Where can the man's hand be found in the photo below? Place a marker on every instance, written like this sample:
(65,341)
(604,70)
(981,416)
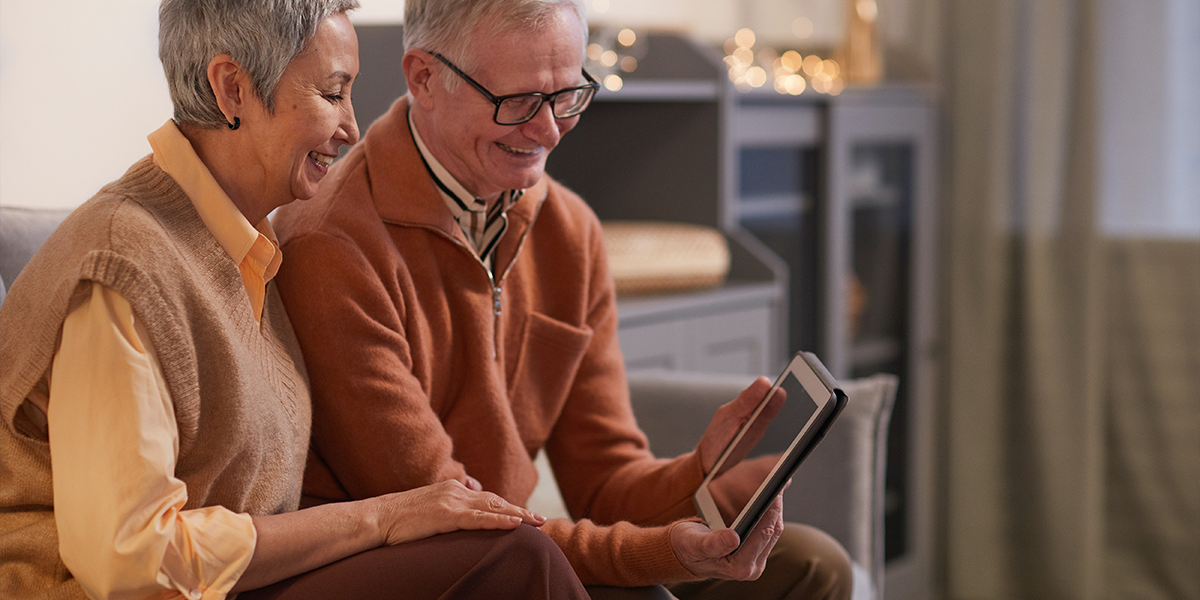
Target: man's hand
(728,419)
(706,553)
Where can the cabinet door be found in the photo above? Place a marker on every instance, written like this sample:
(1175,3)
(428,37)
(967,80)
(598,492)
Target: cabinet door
(736,342)
(878,316)
(654,346)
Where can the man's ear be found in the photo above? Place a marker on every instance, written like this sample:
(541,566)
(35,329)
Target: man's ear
(418,68)
(230,85)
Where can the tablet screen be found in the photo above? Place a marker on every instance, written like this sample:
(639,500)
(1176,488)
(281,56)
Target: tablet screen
(787,412)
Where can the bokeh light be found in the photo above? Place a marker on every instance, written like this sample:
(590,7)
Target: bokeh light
(756,76)
(802,28)
(812,65)
(830,68)
(745,38)
(867,10)
(792,60)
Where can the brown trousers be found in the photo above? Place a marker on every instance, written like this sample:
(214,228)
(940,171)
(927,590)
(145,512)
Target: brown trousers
(519,564)
(806,564)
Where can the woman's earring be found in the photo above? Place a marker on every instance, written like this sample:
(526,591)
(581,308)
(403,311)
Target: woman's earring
(237,122)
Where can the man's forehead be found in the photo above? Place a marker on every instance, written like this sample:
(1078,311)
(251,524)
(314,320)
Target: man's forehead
(524,50)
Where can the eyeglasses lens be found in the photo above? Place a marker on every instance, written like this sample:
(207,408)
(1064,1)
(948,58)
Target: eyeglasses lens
(572,102)
(519,109)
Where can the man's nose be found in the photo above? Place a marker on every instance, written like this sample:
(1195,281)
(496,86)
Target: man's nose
(543,128)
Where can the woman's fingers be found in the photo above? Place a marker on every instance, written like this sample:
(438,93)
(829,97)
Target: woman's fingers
(444,507)
(494,504)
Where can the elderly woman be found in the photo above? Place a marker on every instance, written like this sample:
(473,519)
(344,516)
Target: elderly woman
(155,409)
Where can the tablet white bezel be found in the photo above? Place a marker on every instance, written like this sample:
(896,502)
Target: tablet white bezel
(818,389)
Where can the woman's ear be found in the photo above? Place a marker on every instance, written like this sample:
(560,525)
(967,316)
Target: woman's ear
(418,74)
(229,84)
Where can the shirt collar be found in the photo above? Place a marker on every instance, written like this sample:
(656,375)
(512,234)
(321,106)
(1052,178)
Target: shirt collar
(457,197)
(173,153)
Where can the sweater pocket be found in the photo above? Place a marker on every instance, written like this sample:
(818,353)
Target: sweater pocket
(550,355)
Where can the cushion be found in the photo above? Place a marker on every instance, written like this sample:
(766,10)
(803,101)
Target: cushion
(22,231)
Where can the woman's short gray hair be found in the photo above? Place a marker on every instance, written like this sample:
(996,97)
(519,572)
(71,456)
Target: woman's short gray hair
(263,36)
(446,26)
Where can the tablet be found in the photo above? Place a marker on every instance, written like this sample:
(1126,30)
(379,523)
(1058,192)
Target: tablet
(756,465)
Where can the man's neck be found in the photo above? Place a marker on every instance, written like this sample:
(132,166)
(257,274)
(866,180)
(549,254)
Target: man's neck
(424,132)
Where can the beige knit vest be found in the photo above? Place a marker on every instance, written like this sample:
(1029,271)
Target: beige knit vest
(241,399)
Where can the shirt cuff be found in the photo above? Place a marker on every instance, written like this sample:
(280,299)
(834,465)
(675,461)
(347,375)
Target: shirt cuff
(214,545)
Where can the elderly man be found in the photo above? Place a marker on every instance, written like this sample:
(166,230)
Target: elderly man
(457,317)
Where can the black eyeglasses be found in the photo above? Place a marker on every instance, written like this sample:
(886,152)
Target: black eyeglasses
(515,109)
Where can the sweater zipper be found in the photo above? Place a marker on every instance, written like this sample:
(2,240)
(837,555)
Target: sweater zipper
(496,284)
(495,321)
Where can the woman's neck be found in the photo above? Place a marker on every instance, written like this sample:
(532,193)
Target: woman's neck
(235,171)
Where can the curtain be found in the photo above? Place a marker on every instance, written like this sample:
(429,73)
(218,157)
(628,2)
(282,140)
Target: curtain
(1071,414)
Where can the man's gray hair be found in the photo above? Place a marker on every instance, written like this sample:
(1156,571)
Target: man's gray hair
(447,26)
(263,36)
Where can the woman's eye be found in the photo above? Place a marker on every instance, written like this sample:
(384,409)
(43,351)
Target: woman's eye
(333,98)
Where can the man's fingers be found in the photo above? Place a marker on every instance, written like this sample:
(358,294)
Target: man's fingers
(719,543)
(751,396)
(762,540)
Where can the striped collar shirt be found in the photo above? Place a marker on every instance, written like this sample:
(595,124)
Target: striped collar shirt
(483,225)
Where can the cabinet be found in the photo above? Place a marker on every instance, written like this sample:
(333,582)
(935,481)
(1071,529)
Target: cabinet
(880,273)
(842,189)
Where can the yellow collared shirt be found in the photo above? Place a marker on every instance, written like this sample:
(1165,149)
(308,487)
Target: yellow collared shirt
(118,506)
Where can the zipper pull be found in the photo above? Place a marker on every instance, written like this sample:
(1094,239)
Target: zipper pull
(496,322)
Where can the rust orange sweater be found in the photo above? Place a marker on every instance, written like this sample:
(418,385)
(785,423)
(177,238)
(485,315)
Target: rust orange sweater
(416,378)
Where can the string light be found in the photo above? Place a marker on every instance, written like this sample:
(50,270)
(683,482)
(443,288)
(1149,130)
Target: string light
(790,73)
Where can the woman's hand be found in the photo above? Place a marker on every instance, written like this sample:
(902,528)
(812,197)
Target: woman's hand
(300,541)
(442,508)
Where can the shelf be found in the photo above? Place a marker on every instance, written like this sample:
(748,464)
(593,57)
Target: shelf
(698,90)
(774,206)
